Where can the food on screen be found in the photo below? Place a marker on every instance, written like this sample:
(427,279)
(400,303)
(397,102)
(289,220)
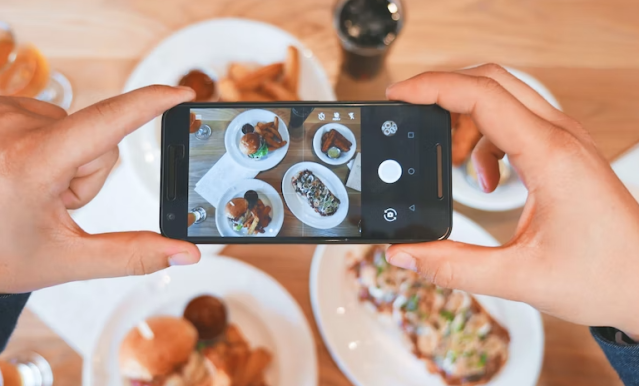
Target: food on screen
(313,191)
(200,348)
(260,139)
(448,329)
(272,82)
(248,212)
(334,144)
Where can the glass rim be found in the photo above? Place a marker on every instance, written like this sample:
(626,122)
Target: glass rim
(349,45)
(4,26)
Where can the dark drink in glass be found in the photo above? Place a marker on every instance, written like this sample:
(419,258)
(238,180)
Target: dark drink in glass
(299,115)
(366,29)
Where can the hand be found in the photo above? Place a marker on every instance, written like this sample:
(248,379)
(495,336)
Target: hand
(575,252)
(51,162)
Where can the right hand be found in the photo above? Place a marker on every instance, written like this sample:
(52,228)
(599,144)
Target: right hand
(575,252)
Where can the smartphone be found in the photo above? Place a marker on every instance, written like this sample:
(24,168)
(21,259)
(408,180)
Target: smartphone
(306,172)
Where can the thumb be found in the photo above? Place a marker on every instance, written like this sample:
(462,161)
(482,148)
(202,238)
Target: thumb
(129,253)
(450,264)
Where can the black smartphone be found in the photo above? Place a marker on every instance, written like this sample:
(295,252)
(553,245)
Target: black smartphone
(306,172)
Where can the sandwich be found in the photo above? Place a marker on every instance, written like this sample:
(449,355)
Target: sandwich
(164,355)
(248,212)
(254,146)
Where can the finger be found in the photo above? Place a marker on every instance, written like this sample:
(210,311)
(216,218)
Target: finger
(88,181)
(472,268)
(91,132)
(494,110)
(127,254)
(35,107)
(529,97)
(485,159)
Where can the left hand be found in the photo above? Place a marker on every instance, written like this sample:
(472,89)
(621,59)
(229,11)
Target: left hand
(51,162)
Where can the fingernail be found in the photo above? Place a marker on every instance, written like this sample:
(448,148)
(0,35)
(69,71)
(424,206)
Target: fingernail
(482,183)
(403,260)
(181,258)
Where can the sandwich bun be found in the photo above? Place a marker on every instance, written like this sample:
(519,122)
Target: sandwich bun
(236,208)
(250,143)
(173,342)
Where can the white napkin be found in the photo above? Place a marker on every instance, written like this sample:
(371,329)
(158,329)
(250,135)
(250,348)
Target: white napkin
(627,169)
(355,176)
(78,311)
(224,174)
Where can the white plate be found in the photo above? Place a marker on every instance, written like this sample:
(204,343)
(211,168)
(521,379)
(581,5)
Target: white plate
(370,353)
(346,132)
(301,209)
(233,135)
(259,305)
(211,45)
(266,193)
(511,195)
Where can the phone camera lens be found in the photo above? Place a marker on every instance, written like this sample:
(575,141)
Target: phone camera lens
(170,216)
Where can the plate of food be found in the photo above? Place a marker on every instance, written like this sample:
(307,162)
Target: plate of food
(221,322)
(315,195)
(250,208)
(226,59)
(334,144)
(511,192)
(257,139)
(386,326)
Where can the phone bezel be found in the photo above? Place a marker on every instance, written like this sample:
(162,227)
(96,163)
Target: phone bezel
(176,228)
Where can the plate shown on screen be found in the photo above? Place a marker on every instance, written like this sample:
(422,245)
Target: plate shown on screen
(300,207)
(267,315)
(233,135)
(511,195)
(372,353)
(343,130)
(211,45)
(269,197)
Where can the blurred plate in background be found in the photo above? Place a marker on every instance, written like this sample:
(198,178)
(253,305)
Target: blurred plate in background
(211,45)
(267,315)
(371,353)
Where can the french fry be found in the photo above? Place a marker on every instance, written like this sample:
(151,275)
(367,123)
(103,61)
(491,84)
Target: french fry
(292,69)
(254,96)
(228,90)
(273,132)
(233,335)
(237,358)
(278,91)
(256,78)
(238,71)
(257,362)
(276,123)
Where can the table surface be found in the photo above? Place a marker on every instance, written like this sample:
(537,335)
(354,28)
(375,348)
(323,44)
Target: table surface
(584,51)
(203,154)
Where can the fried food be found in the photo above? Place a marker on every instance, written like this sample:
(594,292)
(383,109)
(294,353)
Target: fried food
(277,91)
(255,364)
(229,91)
(260,76)
(335,138)
(292,69)
(238,71)
(255,96)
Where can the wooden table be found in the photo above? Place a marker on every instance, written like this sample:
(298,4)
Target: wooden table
(204,154)
(584,51)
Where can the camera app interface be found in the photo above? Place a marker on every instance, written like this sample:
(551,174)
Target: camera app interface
(276,172)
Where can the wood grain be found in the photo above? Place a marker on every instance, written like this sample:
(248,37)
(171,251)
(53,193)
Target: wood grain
(584,51)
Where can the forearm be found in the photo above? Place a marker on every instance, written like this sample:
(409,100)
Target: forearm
(10,309)
(621,351)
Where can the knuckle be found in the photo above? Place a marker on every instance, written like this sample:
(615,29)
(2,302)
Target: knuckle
(440,273)
(135,265)
(494,70)
(488,84)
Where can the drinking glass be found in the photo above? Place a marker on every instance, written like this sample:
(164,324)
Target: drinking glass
(25,72)
(26,369)
(195,216)
(366,29)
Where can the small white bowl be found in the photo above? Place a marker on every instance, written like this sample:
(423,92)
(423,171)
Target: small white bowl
(346,132)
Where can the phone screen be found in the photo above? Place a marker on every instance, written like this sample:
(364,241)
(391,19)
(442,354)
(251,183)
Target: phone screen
(314,173)
(278,172)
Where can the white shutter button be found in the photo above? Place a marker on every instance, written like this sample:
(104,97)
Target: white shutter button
(389,171)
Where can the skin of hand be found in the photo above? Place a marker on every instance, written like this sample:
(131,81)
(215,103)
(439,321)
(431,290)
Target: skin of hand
(575,251)
(51,162)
